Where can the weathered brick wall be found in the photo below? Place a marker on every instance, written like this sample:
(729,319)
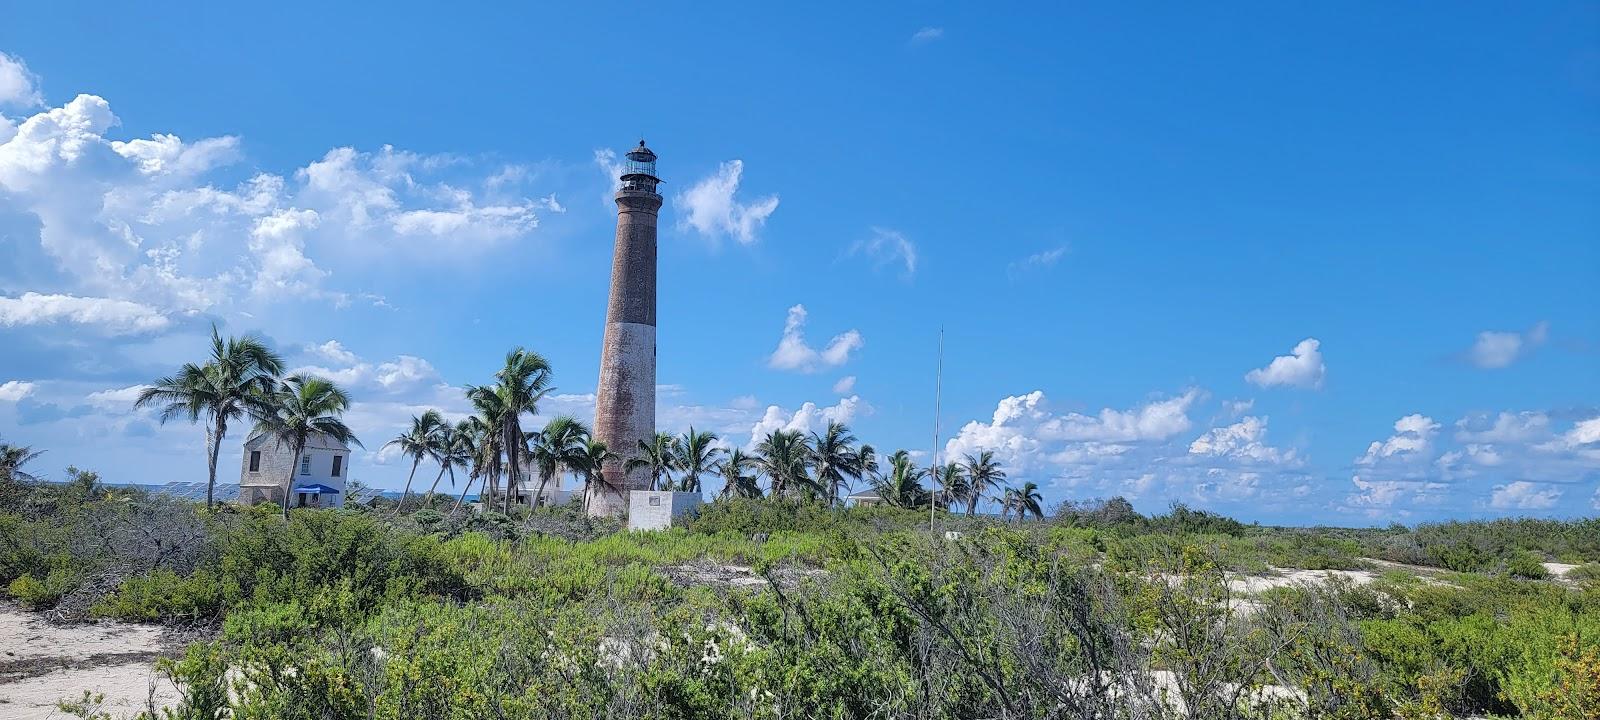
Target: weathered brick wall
(625,399)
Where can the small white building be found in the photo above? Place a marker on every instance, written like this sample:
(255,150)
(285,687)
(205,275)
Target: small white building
(553,495)
(865,498)
(319,473)
(661,509)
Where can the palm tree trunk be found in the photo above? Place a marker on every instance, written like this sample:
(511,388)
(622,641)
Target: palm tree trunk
(216,447)
(288,482)
(513,474)
(428,501)
(972,503)
(463,497)
(512,478)
(543,480)
(407,492)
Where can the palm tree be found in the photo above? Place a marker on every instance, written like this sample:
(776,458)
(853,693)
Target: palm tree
(834,459)
(487,465)
(953,484)
(417,443)
(557,447)
(521,384)
(983,475)
(13,457)
(451,449)
(227,387)
(658,457)
(1025,500)
(590,464)
(474,436)
(783,457)
(736,480)
(695,454)
(902,485)
(298,408)
(867,463)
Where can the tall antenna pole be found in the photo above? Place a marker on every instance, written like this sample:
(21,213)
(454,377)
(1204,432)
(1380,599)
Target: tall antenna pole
(938,389)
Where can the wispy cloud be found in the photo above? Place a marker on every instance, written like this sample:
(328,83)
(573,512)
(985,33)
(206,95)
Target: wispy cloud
(887,247)
(927,34)
(1037,261)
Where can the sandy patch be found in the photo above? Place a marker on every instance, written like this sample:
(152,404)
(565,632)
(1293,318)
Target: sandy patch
(1281,577)
(1558,570)
(42,663)
(739,576)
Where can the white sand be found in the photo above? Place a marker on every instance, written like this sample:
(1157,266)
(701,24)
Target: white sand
(1282,577)
(41,664)
(1558,570)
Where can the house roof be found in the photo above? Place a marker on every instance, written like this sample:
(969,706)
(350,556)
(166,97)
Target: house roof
(317,441)
(864,495)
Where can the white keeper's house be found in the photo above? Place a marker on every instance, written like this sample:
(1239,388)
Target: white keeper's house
(319,473)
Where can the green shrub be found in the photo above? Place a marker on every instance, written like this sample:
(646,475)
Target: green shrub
(163,595)
(39,594)
(744,516)
(1526,565)
(1587,572)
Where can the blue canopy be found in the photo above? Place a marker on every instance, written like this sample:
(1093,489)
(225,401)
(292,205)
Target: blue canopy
(316,489)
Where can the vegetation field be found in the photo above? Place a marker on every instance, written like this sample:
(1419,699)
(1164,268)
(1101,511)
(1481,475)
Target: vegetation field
(784,608)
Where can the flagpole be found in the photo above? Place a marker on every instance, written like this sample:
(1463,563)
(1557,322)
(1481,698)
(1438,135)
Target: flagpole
(938,389)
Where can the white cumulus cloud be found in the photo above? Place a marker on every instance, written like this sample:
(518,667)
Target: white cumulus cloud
(809,418)
(1244,441)
(1025,434)
(141,220)
(1413,436)
(13,390)
(114,317)
(116,399)
(1524,495)
(335,351)
(845,385)
(793,353)
(1156,420)
(711,207)
(18,87)
(1494,350)
(1303,367)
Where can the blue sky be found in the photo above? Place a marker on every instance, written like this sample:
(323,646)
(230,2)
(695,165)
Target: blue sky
(1297,264)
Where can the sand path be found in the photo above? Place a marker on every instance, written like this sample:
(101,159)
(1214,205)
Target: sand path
(42,663)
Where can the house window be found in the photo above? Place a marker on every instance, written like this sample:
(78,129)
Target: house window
(338,464)
(255,461)
(305,465)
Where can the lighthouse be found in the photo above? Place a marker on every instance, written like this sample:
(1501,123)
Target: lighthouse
(625,398)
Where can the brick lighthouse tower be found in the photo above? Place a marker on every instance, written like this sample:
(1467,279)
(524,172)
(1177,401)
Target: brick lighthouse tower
(625,401)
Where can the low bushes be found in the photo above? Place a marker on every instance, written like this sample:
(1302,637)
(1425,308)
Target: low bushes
(349,614)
